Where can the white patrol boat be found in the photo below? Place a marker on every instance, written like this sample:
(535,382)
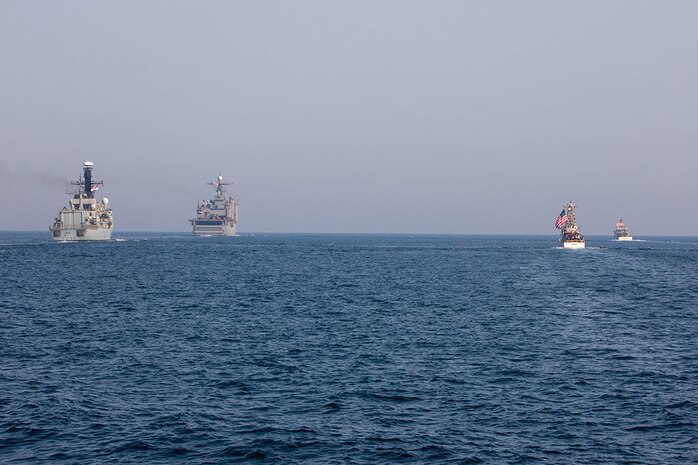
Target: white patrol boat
(621,232)
(570,236)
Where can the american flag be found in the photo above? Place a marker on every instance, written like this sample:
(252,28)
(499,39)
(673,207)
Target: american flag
(561,220)
(94,188)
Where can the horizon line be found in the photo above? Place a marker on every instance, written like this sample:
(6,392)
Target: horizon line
(364,233)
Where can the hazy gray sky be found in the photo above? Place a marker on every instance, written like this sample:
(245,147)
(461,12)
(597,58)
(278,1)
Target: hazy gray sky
(355,116)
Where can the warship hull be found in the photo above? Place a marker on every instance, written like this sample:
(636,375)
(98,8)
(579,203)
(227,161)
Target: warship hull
(81,234)
(71,225)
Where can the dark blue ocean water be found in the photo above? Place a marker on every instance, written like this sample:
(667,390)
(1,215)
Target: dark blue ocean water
(158,348)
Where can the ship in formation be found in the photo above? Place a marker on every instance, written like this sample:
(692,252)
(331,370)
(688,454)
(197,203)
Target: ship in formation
(570,236)
(84,219)
(218,216)
(621,232)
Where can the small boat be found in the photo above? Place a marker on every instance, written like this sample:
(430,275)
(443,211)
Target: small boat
(566,222)
(622,233)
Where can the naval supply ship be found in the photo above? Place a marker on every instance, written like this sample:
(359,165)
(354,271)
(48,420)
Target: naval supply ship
(84,219)
(218,216)
(570,236)
(621,232)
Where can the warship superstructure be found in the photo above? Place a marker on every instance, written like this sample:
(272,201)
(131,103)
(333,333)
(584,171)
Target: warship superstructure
(85,219)
(570,236)
(621,232)
(218,216)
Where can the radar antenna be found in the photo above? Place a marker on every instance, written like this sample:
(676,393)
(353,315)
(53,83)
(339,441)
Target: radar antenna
(218,184)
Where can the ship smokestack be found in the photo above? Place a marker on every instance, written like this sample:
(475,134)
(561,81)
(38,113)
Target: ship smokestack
(88,178)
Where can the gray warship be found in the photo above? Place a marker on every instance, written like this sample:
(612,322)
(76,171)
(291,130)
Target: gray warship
(218,216)
(84,219)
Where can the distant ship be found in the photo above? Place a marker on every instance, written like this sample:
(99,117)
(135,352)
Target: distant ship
(570,236)
(218,216)
(84,219)
(622,233)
